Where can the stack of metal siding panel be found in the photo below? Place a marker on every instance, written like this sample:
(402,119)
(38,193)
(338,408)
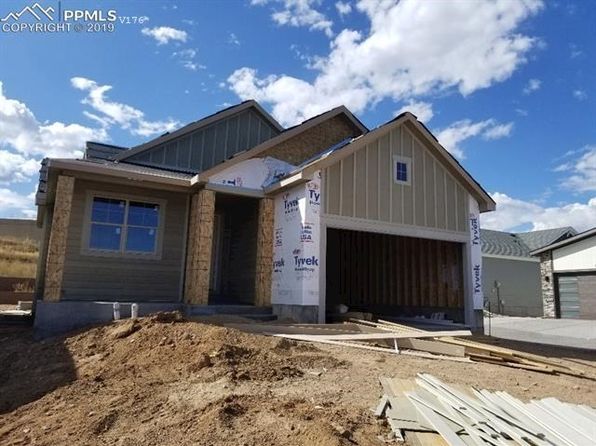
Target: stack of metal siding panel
(460,417)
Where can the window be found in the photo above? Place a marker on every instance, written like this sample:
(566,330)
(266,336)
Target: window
(121,226)
(401,170)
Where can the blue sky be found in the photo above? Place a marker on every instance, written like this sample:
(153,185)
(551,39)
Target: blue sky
(507,86)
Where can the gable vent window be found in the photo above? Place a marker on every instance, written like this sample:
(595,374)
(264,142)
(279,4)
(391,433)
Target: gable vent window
(402,170)
(124,227)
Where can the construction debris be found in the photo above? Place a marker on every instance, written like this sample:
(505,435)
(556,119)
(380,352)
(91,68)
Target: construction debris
(390,337)
(434,413)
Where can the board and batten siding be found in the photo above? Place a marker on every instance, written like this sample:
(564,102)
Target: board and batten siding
(362,186)
(208,146)
(103,278)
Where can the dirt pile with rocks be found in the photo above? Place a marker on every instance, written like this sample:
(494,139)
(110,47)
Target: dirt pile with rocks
(163,380)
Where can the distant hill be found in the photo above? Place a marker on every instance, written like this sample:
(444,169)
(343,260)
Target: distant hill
(19,229)
(18,257)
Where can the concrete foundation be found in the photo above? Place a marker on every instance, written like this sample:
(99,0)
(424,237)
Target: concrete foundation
(54,318)
(304,314)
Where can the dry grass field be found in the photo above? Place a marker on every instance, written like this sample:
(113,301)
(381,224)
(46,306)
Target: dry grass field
(18,257)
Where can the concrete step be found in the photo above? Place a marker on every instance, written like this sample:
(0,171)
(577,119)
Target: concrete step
(237,310)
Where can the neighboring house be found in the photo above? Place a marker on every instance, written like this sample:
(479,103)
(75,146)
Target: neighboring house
(234,209)
(568,276)
(510,274)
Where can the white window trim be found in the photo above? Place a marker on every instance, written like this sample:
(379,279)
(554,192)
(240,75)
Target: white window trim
(408,162)
(122,253)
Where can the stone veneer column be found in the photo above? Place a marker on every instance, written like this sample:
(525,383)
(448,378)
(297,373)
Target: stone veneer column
(58,236)
(264,253)
(198,256)
(547,284)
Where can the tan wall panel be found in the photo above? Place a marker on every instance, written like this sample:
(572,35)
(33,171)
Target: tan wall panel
(429,190)
(372,181)
(333,186)
(433,199)
(94,277)
(462,209)
(347,186)
(360,182)
(418,185)
(385,181)
(407,191)
(451,203)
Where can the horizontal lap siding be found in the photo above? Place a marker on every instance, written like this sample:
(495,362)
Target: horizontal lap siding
(362,186)
(88,277)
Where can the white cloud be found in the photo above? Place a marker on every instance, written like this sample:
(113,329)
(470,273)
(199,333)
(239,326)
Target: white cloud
(582,171)
(186,58)
(343,8)
(116,113)
(20,130)
(532,86)
(165,34)
(512,213)
(498,131)
(14,204)
(451,137)
(580,95)
(233,39)
(299,13)
(422,110)
(15,168)
(521,111)
(412,48)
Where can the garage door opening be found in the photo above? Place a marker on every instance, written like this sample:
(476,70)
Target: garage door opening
(394,275)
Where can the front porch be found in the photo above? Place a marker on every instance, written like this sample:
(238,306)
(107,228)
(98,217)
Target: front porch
(229,250)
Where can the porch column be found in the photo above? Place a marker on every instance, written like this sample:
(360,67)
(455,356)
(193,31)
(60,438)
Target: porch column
(198,256)
(264,253)
(58,236)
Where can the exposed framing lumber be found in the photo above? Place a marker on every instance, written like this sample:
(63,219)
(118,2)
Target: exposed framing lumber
(388,335)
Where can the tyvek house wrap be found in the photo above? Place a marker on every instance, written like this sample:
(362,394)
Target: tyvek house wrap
(475,255)
(296,245)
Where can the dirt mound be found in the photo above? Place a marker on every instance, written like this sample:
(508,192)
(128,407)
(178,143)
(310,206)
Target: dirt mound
(163,380)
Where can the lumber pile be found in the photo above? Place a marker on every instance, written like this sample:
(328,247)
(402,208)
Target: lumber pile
(393,338)
(478,352)
(429,412)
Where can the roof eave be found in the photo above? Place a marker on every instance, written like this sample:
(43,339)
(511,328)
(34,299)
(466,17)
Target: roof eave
(101,169)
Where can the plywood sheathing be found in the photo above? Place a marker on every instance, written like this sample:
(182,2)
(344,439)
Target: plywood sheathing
(58,236)
(200,239)
(307,144)
(264,253)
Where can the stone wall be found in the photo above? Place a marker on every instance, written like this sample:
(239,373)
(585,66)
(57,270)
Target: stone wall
(307,144)
(547,284)
(199,245)
(58,236)
(264,253)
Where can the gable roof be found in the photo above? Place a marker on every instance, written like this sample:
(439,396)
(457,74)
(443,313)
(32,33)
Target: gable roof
(568,241)
(204,122)
(327,158)
(99,150)
(285,135)
(500,243)
(522,244)
(539,239)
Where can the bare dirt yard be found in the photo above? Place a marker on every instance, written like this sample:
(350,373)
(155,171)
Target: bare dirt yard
(163,381)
